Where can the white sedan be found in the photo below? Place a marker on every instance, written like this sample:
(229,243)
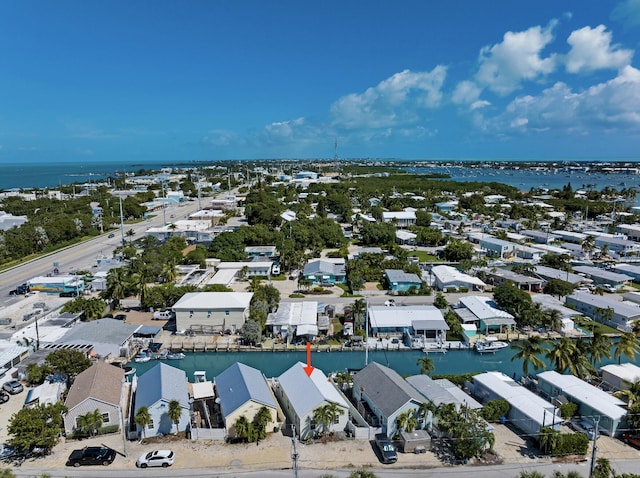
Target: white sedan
(163,458)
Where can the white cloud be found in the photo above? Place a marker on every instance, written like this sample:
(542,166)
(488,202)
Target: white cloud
(505,65)
(466,92)
(591,50)
(606,107)
(627,13)
(220,137)
(398,100)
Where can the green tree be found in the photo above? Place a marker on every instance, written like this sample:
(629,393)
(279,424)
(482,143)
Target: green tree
(325,415)
(440,301)
(407,420)
(175,412)
(36,373)
(426,365)
(558,287)
(68,362)
(96,420)
(631,394)
(603,469)
(599,347)
(36,427)
(84,424)
(363,474)
(142,418)
(529,351)
(561,354)
(627,346)
(251,332)
(457,250)
(260,421)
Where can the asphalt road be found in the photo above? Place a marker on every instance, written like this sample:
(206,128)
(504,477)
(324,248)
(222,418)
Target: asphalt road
(83,256)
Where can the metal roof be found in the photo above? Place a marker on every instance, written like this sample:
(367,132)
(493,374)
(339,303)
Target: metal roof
(162,382)
(404,316)
(437,394)
(398,275)
(483,307)
(104,331)
(239,384)
(602,274)
(306,393)
(213,300)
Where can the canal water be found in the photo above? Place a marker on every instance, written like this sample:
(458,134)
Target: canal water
(272,364)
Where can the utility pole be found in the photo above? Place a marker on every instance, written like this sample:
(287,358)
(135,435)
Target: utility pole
(164,205)
(121,220)
(294,455)
(595,447)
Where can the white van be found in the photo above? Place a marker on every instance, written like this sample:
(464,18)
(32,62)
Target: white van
(275,269)
(162,315)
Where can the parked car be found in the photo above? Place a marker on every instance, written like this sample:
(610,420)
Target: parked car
(583,426)
(13,387)
(120,317)
(163,315)
(387,450)
(609,288)
(111,235)
(631,439)
(92,455)
(4,397)
(163,458)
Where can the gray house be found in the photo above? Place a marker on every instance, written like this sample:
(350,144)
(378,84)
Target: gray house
(607,311)
(386,395)
(109,337)
(155,389)
(97,388)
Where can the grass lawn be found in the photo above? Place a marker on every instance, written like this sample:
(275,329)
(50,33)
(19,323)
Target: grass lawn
(592,325)
(424,256)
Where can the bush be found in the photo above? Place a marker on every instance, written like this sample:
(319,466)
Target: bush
(494,409)
(568,410)
(572,444)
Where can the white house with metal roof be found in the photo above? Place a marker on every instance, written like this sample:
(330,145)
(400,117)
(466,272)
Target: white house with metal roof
(631,270)
(386,394)
(211,312)
(300,394)
(605,310)
(485,313)
(447,277)
(324,271)
(400,281)
(424,321)
(155,389)
(401,219)
(620,377)
(592,401)
(294,319)
(528,412)
(442,391)
(243,391)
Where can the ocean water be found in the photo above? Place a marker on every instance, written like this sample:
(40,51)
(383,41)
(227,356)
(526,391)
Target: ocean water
(48,174)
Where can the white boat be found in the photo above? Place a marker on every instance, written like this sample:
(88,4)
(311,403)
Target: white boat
(142,358)
(490,345)
(175,356)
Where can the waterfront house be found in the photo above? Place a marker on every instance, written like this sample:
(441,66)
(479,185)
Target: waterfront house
(620,377)
(591,400)
(450,278)
(212,312)
(400,281)
(258,267)
(155,389)
(605,310)
(300,394)
(442,392)
(539,237)
(294,319)
(100,387)
(109,337)
(243,391)
(527,411)
(601,276)
(419,321)
(382,395)
(617,245)
(483,312)
(325,272)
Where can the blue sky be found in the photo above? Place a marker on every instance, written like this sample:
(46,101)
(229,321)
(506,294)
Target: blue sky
(241,79)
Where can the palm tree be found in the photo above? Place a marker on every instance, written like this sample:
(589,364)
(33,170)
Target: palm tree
(241,427)
(599,347)
(529,352)
(588,245)
(116,285)
(603,469)
(579,365)
(83,423)
(552,319)
(321,416)
(169,271)
(96,420)
(142,419)
(426,365)
(359,309)
(407,420)
(631,394)
(561,354)
(261,420)
(363,474)
(627,346)
(175,412)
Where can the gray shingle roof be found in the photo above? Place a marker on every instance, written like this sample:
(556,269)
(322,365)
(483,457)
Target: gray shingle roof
(385,388)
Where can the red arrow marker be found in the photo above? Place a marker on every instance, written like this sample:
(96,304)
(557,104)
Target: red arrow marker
(308,369)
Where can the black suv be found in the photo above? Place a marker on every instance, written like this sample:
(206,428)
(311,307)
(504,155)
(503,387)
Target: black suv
(387,450)
(92,455)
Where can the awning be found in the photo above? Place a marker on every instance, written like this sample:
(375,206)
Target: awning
(306,329)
